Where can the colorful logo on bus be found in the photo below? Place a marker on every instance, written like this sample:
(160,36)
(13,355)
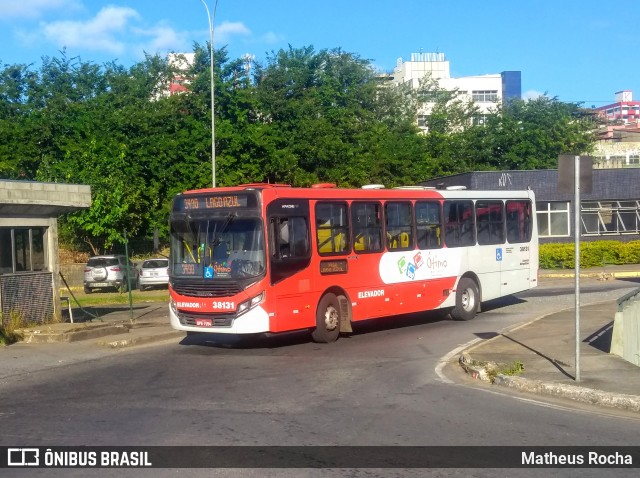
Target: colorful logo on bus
(402,264)
(398,267)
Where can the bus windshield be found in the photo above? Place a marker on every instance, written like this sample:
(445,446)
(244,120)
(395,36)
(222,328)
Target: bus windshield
(221,247)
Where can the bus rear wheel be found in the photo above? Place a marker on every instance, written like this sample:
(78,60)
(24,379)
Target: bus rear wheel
(327,320)
(467,297)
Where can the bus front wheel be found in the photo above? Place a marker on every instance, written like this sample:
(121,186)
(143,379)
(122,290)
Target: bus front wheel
(327,320)
(467,297)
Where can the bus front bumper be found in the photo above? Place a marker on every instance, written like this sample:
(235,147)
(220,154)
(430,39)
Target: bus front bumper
(254,321)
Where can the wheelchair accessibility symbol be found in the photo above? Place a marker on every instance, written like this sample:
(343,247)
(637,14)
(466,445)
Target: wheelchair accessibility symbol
(499,254)
(208,272)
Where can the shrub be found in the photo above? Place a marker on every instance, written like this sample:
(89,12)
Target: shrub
(592,254)
(9,328)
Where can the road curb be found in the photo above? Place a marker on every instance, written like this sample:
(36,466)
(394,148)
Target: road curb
(486,371)
(573,392)
(44,335)
(143,339)
(604,275)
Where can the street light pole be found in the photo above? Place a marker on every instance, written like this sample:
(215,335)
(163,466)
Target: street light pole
(213,130)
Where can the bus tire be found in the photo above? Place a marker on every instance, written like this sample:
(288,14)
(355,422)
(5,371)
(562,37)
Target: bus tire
(327,320)
(467,300)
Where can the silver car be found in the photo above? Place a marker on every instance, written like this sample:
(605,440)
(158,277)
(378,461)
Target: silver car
(109,271)
(154,272)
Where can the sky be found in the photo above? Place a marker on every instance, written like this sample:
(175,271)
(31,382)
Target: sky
(576,50)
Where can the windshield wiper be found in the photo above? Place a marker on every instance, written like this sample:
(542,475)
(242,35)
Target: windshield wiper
(223,228)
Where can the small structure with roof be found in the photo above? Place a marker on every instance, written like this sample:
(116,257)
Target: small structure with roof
(29,264)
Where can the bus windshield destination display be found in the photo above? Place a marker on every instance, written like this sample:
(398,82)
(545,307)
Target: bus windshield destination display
(211,202)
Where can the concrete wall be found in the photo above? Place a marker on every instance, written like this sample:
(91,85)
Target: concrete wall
(74,275)
(625,341)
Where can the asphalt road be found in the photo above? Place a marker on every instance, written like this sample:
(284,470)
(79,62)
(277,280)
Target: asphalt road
(380,386)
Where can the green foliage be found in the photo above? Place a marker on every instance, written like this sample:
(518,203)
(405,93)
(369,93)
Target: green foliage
(10,328)
(304,116)
(592,254)
(531,134)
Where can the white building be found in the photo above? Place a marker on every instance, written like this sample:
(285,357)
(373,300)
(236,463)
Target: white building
(486,91)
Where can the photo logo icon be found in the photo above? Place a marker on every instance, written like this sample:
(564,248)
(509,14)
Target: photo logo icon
(23,457)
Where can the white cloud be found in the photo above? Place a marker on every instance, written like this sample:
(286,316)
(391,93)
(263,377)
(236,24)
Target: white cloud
(98,34)
(222,33)
(34,8)
(162,39)
(272,38)
(532,95)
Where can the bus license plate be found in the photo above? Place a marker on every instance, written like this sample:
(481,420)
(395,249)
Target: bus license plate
(204,322)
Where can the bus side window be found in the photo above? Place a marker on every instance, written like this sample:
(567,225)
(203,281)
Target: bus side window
(332,228)
(459,227)
(366,219)
(398,219)
(489,222)
(290,237)
(518,221)
(428,225)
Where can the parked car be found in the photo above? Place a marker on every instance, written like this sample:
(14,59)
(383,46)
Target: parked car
(153,273)
(109,271)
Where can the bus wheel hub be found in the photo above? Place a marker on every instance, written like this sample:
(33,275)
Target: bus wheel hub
(331,318)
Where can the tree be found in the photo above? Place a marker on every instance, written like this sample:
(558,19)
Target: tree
(302,117)
(330,120)
(530,134)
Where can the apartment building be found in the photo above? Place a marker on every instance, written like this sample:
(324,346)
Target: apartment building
(488,91)
(619,136)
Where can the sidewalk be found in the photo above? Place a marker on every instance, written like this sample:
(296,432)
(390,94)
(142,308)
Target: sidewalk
(115,326)
(546,349)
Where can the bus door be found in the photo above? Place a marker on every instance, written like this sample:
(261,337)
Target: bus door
(489,260)
(516,260)
(289,259)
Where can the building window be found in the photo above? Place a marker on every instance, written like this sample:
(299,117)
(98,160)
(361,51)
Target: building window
(422,121)
(553,219)
(485,96)
(601,218)
(22,250)
(479,120)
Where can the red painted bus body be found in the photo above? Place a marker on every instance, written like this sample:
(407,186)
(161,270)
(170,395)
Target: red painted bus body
(270,258)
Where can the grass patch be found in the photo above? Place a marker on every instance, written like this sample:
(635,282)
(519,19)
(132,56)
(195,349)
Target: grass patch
(514,368)
(11,327)
(120,298)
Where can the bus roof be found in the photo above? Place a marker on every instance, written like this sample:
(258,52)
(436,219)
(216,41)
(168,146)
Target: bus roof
(329,190)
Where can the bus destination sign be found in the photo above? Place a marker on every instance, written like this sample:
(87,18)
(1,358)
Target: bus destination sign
(230,201)
(338,266)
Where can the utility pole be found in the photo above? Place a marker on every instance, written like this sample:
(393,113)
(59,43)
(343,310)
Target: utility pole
(213,134)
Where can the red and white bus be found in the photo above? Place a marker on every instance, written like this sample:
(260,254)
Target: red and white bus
(271,258)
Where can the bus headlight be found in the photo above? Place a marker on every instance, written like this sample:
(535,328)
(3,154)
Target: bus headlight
(256,300)
(249,304)
(172,304)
